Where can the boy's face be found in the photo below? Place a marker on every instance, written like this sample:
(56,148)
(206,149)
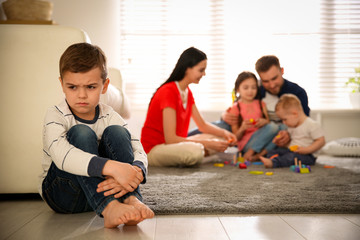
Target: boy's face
(82,91)
(289,117)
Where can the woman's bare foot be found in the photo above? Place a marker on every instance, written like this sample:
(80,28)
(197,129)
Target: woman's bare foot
(145,211)
(267,162)
(116,213)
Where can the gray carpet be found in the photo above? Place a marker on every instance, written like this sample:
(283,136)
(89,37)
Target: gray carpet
(230,190)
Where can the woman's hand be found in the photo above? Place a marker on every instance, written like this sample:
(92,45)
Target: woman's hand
(230,138)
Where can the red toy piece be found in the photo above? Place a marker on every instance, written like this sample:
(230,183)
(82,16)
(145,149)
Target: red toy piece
(242,166)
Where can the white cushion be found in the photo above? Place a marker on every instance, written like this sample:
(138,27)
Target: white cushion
(343,147)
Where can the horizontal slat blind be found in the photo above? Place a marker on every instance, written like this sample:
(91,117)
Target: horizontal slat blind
(317,42)
(153,35)
(340,50)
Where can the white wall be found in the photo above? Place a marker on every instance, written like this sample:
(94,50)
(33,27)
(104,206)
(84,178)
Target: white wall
(99,18)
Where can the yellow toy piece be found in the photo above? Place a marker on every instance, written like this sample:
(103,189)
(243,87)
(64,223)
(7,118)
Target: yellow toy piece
(269,173)
(240,159)
(304,170)
(256,172)
(233,96)
(218,165)
(293,148)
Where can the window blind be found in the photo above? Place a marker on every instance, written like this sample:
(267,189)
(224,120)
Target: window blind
(317,42)
(339,51)
(153,35)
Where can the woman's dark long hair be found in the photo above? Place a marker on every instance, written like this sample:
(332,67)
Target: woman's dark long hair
(242,77)
(188,59)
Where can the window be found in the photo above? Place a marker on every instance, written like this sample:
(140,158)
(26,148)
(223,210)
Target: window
(317,42)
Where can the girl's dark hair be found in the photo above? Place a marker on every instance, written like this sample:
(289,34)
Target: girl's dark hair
(242,77)
(188,59)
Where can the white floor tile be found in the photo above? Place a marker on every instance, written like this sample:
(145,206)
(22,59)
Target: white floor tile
(50,225)
(15,214)
(258,227)
(189,227)
(329,227)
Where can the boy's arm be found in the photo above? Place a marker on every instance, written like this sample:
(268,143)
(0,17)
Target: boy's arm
(140,157)
(57,149)
(125,174)
(315,146)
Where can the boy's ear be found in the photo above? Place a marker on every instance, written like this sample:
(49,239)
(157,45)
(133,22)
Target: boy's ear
(106,85)
(61,82)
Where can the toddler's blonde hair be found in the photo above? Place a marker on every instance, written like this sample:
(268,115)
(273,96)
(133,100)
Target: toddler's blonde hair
(287,102)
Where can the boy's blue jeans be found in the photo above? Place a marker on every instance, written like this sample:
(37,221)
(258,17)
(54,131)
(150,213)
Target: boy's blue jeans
(68,193)
(285,158)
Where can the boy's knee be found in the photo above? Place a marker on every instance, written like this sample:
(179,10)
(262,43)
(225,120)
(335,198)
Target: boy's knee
(117,131)
(80,132)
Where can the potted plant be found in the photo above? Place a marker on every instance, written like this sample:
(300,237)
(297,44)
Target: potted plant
(354,84)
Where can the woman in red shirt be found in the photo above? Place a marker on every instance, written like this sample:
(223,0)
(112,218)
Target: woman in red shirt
(164,134)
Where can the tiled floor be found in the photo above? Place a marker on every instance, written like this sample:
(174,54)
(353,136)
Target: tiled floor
(32,219)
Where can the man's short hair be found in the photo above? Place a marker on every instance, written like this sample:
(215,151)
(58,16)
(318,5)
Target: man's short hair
(264,63)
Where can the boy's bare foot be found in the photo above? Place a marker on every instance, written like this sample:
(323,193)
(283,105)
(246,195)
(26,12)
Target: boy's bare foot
(248,155)
(145,211)
(116,213)
(267,162)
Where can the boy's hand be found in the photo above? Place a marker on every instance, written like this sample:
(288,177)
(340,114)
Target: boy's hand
(139,170)
(111,187)
(125,174)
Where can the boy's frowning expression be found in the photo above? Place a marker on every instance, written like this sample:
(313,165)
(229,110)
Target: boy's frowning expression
(82,91)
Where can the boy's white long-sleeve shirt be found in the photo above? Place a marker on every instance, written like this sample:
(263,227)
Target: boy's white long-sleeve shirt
(58,121)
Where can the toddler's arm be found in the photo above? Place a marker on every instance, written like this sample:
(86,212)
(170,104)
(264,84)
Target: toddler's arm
(315,146)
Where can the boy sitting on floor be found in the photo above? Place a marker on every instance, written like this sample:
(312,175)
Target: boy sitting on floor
(91,160)
(305,133)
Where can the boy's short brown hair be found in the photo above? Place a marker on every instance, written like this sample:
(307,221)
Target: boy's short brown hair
(82,57)
(264,63)
(287,102)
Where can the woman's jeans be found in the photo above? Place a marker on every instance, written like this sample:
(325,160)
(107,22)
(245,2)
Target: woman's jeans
(68,193)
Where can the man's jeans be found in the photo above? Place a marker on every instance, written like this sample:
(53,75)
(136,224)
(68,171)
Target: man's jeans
(261,139)
(68,193)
